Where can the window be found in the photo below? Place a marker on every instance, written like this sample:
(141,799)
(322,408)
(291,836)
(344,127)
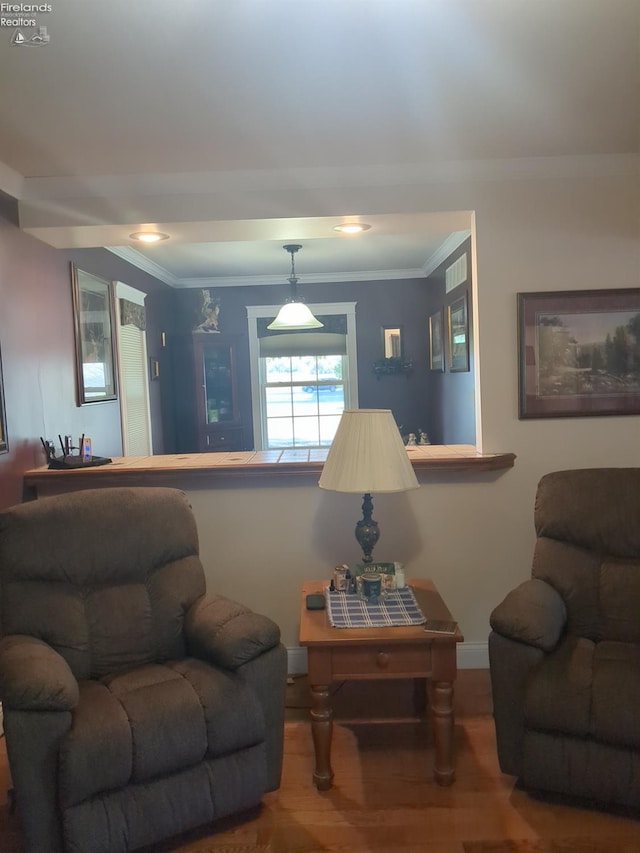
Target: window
(303,399)
(301,381)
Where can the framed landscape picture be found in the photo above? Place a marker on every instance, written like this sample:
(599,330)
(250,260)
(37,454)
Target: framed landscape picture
(579,353)
(436,349)
(458,335)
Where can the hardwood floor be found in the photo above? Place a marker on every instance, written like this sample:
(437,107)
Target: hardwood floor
(384,798)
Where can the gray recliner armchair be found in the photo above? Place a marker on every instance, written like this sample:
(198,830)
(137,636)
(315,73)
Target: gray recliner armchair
(136,706)
(565,645)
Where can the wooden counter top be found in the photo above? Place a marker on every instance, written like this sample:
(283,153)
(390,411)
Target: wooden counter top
(200,469)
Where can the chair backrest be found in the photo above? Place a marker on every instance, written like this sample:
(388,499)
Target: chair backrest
(588,548)
(105,576)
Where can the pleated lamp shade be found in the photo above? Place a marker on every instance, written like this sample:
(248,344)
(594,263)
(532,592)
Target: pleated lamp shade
(367,455)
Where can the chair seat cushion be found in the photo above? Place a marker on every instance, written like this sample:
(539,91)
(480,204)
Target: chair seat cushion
(153,721)
(586,689)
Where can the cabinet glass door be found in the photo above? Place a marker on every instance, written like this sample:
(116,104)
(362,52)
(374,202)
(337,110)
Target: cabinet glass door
(218,383)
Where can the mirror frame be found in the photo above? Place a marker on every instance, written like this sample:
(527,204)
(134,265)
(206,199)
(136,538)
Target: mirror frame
(85,286)
(390,347)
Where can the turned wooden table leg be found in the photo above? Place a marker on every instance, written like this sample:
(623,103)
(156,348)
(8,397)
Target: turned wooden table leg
(322,730)
(442,717)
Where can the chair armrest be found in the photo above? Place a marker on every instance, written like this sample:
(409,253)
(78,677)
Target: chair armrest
(227,633)
(34,677)
(532,613)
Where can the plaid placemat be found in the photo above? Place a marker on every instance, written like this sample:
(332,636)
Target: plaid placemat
(350,611)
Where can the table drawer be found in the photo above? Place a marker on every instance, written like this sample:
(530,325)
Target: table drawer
(380,660)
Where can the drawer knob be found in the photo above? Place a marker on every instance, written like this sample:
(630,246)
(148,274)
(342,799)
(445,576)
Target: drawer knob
(383,660)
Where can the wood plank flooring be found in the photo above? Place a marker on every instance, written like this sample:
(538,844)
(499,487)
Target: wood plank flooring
(385,800)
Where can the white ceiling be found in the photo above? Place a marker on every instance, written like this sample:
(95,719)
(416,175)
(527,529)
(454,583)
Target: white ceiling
(135,114)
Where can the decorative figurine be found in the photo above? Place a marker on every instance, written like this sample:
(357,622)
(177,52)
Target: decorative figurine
(411,440)
(424,438)
(209,311)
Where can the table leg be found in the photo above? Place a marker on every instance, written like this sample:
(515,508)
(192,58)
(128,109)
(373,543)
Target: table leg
(322,730)
(442,717)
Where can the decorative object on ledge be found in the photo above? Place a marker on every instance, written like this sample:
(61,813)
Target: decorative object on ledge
(392,366)
(579,353)
(413,439)
(208,313)
(366,456)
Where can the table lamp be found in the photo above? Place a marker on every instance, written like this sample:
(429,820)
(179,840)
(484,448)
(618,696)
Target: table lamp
(367,455)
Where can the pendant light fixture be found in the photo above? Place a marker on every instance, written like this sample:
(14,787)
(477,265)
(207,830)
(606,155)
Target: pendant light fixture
(294,314)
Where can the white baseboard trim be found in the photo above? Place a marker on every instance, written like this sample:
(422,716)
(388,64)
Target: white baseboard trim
(470,656)
(473,656)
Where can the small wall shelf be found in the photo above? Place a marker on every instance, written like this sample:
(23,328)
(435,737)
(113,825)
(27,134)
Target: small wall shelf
(393,366)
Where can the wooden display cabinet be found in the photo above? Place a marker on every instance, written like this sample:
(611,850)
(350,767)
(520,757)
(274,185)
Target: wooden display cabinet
(219,422)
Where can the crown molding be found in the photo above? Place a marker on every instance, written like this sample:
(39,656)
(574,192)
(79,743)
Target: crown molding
(307,278)
(446,248)
(133,257)
(136,259)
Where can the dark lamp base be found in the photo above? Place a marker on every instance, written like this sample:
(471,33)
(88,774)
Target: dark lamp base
(367,531)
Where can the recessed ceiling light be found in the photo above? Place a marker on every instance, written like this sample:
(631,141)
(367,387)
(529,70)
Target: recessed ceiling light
(148,236)
(352,227)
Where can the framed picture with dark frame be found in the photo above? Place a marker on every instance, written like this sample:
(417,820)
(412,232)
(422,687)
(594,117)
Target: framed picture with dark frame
(4,441)
(93,312)
(579,353)
(436,348)
(458,335)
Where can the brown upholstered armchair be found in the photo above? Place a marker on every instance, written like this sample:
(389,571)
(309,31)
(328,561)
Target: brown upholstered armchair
(135,705)
(565,646)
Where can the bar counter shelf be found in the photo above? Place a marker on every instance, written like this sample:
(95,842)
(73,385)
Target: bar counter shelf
(183,470)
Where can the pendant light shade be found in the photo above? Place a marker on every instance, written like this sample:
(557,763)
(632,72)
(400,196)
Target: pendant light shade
(294,314)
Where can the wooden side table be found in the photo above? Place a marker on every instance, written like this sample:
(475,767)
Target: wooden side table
(341,654)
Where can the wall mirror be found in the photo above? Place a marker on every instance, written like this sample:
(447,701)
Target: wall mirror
(392,341)
(95,348)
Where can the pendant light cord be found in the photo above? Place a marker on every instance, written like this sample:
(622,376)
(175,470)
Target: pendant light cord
(293,280)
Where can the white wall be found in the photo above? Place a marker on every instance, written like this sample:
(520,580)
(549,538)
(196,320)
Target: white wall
(473,534)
